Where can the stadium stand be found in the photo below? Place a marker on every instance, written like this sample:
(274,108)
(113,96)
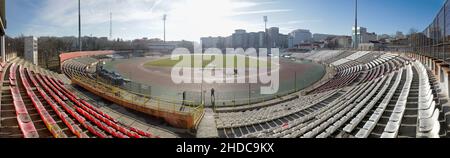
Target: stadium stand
(368,95)
(350,58)
(67,56)
(340,56)
(324,55)
(318,56)
(37,105)
(372,95)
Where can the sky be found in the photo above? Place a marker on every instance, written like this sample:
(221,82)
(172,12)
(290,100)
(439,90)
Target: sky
(192,19)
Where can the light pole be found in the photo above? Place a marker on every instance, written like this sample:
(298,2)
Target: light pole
(266,19)
(356,25)
(164,19)
(79,26)
(110,26)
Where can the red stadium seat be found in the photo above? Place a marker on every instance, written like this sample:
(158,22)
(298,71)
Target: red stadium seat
(61,114)
(82,110)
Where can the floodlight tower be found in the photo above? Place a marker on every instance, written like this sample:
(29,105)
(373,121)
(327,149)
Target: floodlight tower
(265,21)
(356,44)
(110,26)
(265,30)
(79,26)
(164,19)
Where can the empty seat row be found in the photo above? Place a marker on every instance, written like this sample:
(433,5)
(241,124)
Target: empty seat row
(349,72)
(352,57)
(347,112)
(428,114)
(265,114)
(394,123)
(360,116)
(378,112)
(50,123)
(340,56)
(68,93)
(56,108)
(99,118)
(68,121)
(397,101)
(71,110)
(23,118)
(324,55)
(308,125)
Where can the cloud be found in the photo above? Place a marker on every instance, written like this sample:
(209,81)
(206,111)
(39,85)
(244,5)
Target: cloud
(156,4)
(61,16)
(261,12)
(248,4)
(187,19)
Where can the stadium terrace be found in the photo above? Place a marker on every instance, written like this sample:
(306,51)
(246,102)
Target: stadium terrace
(337,87)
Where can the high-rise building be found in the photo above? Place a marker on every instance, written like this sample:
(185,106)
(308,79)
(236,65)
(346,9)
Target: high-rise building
(299,36)
(210,42)
(229,42)
(274,40)
(240,39)
(253,40)
(362,35)
(284,40)
(31,50)
(262,39)
(214,42)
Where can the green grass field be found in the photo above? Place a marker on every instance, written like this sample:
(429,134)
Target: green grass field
(168,63)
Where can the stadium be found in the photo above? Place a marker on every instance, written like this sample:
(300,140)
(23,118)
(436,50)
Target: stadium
(369,95)
(347,93)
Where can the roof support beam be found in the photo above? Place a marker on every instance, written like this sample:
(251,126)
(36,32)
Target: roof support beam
(2,27)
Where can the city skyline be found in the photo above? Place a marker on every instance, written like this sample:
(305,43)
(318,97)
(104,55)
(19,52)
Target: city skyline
(144,18)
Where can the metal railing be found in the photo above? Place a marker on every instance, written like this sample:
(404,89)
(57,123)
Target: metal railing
(143,100)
